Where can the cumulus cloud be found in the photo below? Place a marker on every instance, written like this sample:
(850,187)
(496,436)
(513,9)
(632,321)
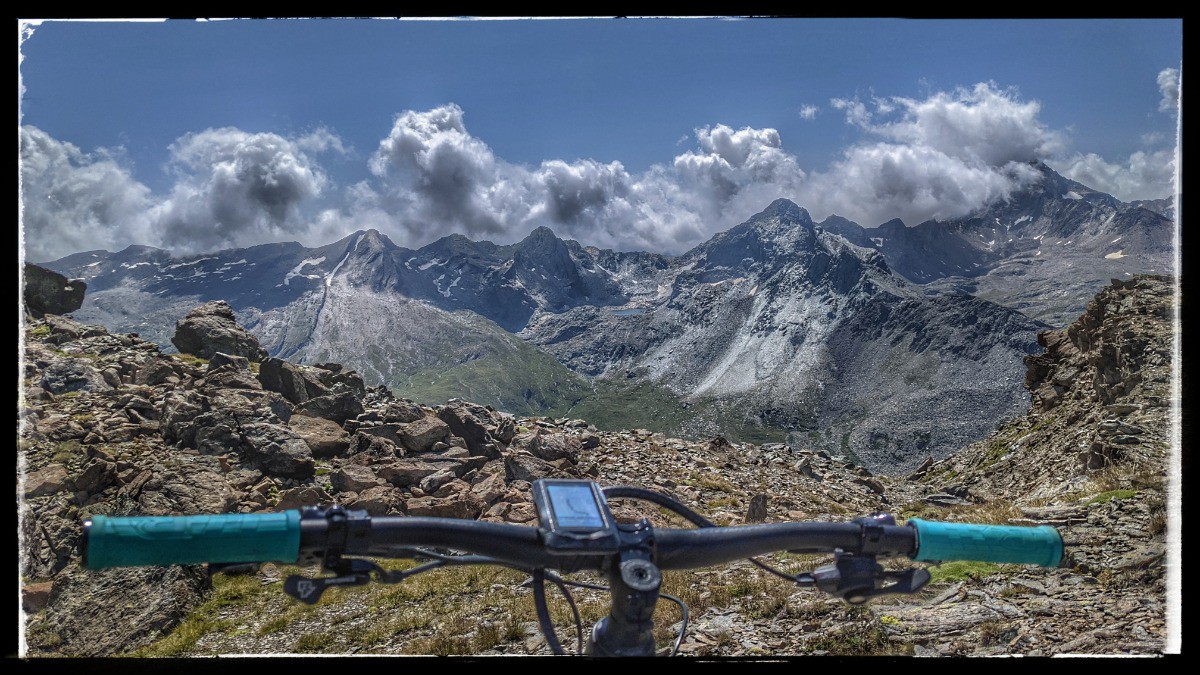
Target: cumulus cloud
(433,177)
(74,201)
(808,112)
(981,124)
(873,183)
(1168,86)
(940,157)
(729,161)
(232,188)
(236,188)
(449,173)
(1145,175)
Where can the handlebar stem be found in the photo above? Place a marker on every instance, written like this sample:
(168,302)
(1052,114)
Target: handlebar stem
(634,583)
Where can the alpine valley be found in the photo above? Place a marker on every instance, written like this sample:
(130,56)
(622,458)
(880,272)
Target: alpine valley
(886,345)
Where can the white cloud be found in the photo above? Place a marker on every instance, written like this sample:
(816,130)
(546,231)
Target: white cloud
(808,112)
(939,157)
(1145,175)
(321,140)
(1168,86)
(873,183)
(433,177)
(232,188)
(237,188)
(449,174)
(856,111)
(74,201)
(981,124)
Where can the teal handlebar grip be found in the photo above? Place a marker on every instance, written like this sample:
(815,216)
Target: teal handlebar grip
(188,540)
(1040,545)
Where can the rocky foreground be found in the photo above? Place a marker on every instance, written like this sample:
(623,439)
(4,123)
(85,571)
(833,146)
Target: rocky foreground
(109,424)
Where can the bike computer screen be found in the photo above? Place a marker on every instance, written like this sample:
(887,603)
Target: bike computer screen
(574,517)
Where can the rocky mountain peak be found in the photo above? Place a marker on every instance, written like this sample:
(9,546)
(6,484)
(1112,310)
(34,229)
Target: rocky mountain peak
(370,243)
(539,244)
(768,239)
(785,211)
(893,226)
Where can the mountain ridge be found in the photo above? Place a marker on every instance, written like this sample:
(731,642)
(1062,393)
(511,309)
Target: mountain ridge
(738,328)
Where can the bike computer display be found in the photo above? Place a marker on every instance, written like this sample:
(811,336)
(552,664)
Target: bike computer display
(574,517)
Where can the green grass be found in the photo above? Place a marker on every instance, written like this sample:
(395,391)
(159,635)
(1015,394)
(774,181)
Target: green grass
(616,404)
(191,359)
(228,591)
(1111,495)
(40,331)
(996,451)
(67,451)
(871,640)
(961,570)
(274,625)
(502,371)
(312,643)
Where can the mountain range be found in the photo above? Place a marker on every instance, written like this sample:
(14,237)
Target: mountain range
(885,345)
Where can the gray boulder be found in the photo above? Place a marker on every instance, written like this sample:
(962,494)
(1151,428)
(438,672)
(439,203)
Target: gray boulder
(338,378)
(212,328)
(297,383)
(421,435)
(336,407)
(304,495)
(69,375)
(46,481)
(474,423)
(548,445)
(63,330)
(353,478)
(48,292)
(118,610)
(524,466)
(277,451)
(324,437)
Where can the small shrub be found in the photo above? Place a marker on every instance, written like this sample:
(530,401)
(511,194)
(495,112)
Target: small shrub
(67,451)
(1158,523)
(488,635)
(274,625)
(313,643)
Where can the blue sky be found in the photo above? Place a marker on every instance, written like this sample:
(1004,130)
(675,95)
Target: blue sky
(631,134)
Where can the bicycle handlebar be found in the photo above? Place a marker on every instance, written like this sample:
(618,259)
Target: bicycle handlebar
(285,536)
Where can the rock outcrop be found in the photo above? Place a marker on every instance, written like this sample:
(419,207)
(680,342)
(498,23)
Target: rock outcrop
(212,328)
(1100,401)
(48,292)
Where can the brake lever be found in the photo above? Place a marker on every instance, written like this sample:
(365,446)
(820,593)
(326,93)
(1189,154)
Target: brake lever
(347,572)
(857,578)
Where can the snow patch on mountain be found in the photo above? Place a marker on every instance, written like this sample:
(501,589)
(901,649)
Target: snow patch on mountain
(295,272)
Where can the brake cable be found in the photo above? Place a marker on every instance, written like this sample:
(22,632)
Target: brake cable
(669,502)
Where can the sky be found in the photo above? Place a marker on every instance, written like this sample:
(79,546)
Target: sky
(632,134)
